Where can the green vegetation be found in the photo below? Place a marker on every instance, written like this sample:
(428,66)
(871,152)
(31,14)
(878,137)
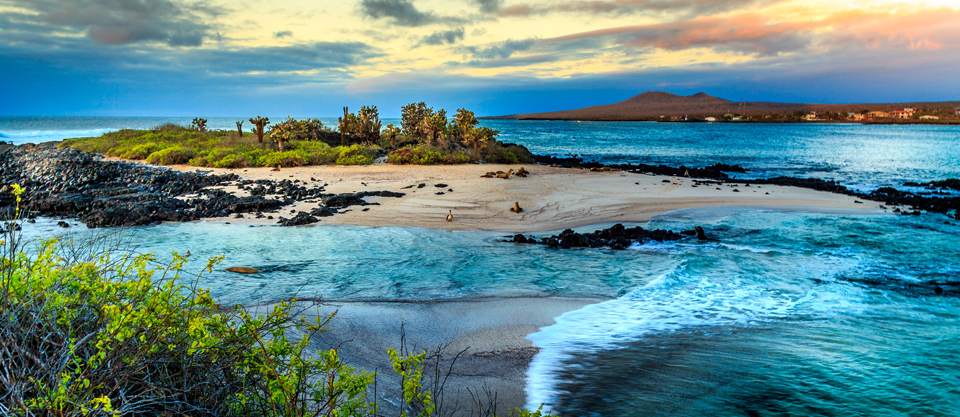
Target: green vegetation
(170,145)
(425,137)
(92,333)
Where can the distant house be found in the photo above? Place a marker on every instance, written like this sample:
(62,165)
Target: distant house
(877,114)
(711,119)
(735,118)
(810,116)
(930,117)
(854,116)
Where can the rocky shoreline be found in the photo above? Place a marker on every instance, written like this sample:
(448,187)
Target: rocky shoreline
(935,202)
(106,193)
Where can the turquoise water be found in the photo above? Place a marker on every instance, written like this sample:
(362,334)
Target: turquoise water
(790,313)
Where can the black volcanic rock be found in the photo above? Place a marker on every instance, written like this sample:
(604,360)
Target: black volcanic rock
(617,237)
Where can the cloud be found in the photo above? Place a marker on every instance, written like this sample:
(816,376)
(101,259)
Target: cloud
(620,7)
(439,38)
(488,6)
(121,22)
(501,50)
(755,34)
(401,12)
(283,34)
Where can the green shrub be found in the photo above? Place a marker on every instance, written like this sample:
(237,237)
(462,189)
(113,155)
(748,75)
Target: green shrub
(122,337)
(171,156)
(416,155)
(141,151)
(284,159)
(498,153)
(354,155)
(234,161)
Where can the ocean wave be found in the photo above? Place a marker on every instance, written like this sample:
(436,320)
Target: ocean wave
(674,301)
(39,136)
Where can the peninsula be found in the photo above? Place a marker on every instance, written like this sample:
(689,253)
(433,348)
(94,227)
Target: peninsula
(663,106)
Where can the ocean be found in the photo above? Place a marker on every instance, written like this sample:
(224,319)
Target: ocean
(791,312)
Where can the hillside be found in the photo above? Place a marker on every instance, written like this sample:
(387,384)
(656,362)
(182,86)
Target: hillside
(653,104)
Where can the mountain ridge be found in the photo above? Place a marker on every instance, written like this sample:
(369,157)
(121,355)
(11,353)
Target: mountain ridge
(650,105)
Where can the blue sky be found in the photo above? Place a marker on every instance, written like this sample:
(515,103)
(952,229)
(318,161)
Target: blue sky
(309,58)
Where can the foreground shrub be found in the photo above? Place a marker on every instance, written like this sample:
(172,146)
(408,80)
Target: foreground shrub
(123,337)
(171,156)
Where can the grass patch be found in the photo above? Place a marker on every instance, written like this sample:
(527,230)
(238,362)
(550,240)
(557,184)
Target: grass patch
(173,145)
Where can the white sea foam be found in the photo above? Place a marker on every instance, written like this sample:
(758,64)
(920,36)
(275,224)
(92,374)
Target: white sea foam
(672,302)
(38,136)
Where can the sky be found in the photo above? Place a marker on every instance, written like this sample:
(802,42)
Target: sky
(310,58)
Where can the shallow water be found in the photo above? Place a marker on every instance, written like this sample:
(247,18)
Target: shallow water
(790,313)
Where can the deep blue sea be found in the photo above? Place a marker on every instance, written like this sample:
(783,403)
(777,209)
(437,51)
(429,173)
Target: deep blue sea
(791,312)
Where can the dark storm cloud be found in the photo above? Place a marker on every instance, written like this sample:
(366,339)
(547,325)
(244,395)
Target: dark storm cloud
(401,13)
(121,22)
(283,34)
(446,36)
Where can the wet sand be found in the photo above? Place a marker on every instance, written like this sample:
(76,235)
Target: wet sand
(551,198)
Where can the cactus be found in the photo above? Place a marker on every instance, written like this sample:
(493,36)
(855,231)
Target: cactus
(200,124)
(260,123)
(240,129)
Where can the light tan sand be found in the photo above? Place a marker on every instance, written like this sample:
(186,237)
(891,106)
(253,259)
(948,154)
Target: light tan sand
(490,332)
(551,198)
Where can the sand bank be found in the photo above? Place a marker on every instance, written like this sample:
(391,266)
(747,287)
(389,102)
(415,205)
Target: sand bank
(490,332)
(551,198)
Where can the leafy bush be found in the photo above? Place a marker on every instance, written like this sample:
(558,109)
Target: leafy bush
(284,159)
(234,161)
(354,155)
(416,155)
(171,156)
(141,151)
(120,337)
(500,153)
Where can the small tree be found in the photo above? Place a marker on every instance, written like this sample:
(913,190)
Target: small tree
(478,137)
(435,126)
(413,116)
(200,124)
(260,123)
(368,124)
(392,132)
(463,123)
(347,125)
(240,129)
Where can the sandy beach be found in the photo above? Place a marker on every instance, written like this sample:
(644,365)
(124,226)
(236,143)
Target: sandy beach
(492,332)
(552,198)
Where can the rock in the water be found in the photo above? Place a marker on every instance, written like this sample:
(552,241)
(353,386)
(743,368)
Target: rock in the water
(243,270)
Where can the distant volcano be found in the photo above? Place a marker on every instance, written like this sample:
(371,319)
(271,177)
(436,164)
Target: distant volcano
(653,104)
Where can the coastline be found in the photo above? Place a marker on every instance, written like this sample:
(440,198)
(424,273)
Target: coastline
(552,198)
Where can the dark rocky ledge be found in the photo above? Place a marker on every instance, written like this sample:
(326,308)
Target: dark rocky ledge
(105,193)
(617,237)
